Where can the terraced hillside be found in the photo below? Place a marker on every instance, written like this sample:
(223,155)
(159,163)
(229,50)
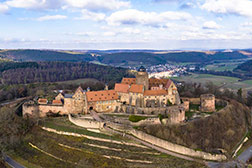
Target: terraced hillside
(47,146)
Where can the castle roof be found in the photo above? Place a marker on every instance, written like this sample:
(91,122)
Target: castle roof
(57,102)
(142,69)
(42,101)
(155,92)
(153,82)
(129,81)
(103,95)
(121,87)
(136,88)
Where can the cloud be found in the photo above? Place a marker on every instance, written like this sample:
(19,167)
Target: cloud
(87,15)
(162,1)
(211,25)
(133,16)
(247,24)
(92,5)
(51,17)
(3,8)
(98,5)
(235,7)
(34,4)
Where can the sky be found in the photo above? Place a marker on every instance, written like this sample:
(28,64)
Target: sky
(126,24)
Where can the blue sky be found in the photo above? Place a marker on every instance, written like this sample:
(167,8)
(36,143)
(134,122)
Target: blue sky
(126,24)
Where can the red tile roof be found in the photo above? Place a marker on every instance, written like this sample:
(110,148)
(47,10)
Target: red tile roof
(129,81)
(104,95)
(120,87)
(136,88)
(155,92)
(42,101)
(156,82)
(57,102)
(168,84)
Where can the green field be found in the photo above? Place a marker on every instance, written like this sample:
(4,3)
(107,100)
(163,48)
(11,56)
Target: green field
(225,65)
(222,81)
(221,67)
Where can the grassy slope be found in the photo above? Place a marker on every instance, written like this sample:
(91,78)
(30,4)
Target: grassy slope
(221,130)
(89,156)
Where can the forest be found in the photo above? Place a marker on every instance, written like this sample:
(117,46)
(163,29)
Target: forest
(246,67)
(32,72)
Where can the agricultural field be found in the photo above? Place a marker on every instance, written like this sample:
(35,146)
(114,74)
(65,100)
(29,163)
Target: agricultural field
(222,81)
(43,148)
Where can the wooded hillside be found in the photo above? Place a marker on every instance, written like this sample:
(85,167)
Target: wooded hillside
(31,72)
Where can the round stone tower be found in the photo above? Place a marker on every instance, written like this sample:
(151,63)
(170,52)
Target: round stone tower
(207,103)
(142,78)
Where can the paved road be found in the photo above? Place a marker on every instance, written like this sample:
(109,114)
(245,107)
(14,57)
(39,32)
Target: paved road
(240,162)
(12,162)
(246,155)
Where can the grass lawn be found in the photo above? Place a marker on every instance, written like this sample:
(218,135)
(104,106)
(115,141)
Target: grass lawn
(135,118)
(62,124)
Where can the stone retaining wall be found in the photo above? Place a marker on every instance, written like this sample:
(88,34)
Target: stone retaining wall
(86,123)
(176,148)
(150,139)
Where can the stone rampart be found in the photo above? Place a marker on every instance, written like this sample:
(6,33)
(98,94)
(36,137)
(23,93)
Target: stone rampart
(148,121)
(176,114)
(35,110)
(85,122)
(176,148)
(148,138)
(207,103)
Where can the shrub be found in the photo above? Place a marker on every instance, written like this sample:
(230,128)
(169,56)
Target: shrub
(134,118)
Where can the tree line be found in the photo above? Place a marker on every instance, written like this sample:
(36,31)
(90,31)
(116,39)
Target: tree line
(23,72)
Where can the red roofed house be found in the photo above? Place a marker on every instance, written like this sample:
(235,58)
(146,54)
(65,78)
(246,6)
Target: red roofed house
(103,101)
(123,92)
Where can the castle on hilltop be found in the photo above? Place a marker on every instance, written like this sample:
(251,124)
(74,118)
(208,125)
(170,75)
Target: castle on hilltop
(138,93)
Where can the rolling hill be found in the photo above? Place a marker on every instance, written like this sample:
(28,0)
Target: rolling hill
(123,58)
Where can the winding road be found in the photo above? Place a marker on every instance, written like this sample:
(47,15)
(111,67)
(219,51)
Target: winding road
(11,162)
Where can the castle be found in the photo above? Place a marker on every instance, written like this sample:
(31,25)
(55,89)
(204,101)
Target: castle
(140,92)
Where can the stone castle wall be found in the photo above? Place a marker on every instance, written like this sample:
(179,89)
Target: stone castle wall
(41,110)
(207,103)
(149,138)
(86,123)
(176,114)
(176,148)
